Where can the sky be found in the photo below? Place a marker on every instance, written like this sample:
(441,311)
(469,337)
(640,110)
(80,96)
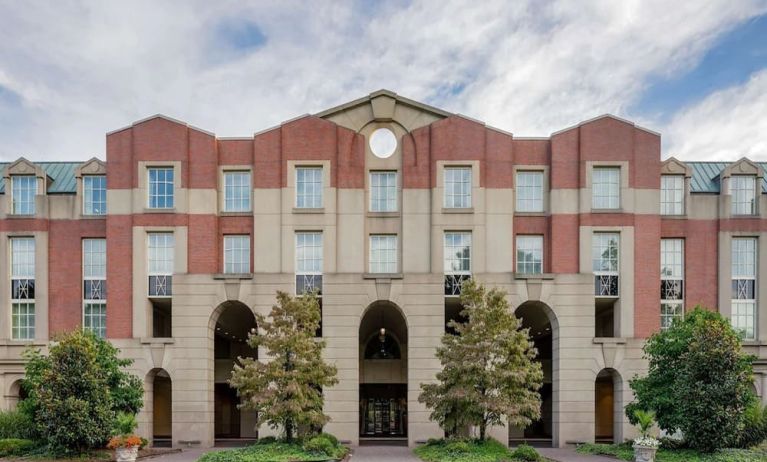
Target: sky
(71,71)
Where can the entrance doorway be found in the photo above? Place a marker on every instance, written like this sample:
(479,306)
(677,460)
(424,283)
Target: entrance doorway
(162,407)
(607,407)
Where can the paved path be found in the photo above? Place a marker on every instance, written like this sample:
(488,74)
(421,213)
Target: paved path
(569,455)
(383,454)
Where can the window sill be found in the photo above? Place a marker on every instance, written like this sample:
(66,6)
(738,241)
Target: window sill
(450,210)
(24,343)
(530,214)
(300,210)
(673,217)
(744,217)
(150,210)
(543,276)
(609,340)
(93,217)
(157,340)
(236,214)
(18,216)
(618,210)
(232,276)
(383,214)
(382,276)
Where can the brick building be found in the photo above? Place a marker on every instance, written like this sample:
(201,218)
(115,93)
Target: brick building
(385,205)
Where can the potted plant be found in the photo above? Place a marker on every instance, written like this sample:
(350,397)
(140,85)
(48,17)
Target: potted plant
(125,443)
(645,446)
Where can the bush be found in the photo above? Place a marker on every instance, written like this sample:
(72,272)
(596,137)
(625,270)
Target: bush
(755,426)
(458,447)
(324,443)
(125,423)
(527,453)
(16,425)
(15,447)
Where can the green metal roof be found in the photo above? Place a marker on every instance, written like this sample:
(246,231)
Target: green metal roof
(62,175)
(705,176)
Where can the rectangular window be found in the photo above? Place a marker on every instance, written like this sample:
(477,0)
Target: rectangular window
(743,189)
(160,260)
(457,187)
(529,191)
(23,192)
(308,262)
(457,253)
(744,287)
(606,187)
(237,191)
(383,253)
(94,286)
(605,263)
(22,288)
(530,254)
(309,187)
(671,281)
(672,195)
(383,191)
(95,318)
(94,258)
(237,254)
(94,195)
(160,187)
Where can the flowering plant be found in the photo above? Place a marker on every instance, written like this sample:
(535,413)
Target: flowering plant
(645,419)
(647,441)
(127,441)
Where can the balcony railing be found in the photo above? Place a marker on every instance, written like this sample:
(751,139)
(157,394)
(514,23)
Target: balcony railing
(671,289)
(160,286)
(23,289)
(453,284)
(95,289)
(306,283)
(605,285)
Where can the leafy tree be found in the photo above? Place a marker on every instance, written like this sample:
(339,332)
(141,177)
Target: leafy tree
(698,381)
(286,389)
(488,368)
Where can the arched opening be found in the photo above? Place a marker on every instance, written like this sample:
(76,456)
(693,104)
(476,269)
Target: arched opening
(234,323)
(539,319)
(383,373)
(160,404)
(608,407)
(16,394)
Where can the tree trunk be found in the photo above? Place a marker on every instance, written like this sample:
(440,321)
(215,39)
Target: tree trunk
(289,430)
(482,429)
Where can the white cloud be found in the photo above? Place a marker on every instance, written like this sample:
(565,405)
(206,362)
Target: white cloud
(80,69)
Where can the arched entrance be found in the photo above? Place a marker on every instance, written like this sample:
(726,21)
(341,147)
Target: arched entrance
(540,319)
(16,394)
(608,407)
(160,391)
(234,323)
(383,337)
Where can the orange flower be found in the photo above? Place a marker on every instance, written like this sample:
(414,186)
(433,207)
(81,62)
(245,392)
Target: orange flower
(128,441)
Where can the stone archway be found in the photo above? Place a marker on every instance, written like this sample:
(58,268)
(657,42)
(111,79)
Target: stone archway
(15,394)
(159,402)
(383,373)
(608,406)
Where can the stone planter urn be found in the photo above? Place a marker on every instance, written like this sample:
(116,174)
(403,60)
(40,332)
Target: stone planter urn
(127,454)
(644,453)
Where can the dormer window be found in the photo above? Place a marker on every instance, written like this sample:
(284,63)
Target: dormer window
(94,195)
(672,195)
(23,192)
(743,192)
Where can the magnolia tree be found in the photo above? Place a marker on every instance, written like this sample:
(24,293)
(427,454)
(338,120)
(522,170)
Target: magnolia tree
(286,389)
(488,368)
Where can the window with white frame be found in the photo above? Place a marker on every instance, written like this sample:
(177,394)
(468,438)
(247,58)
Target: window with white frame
(160,258)
(671,281)
(743,191)
(160,187)
(529,191)
(22,288)
(308,262)
(237,191)
(383,191)
(606,187)
(530,254)
(605,263)
(744,287)
(383,253)
(23,192)
(94,286)
(672,195)
(457,187)
(94,195)
(237,254)
(457,260)
(309,187)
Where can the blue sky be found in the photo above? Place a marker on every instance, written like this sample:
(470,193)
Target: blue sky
(694,71)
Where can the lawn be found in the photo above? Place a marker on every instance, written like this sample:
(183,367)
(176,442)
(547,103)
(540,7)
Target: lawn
(625,452)
(273,451)
(474,451)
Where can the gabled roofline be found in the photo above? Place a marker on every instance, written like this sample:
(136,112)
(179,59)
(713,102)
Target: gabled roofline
(606,116)
(383,92)
(162,116)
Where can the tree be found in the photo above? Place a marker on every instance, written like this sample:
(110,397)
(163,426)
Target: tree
(488,368)
(698,381)
(286,389)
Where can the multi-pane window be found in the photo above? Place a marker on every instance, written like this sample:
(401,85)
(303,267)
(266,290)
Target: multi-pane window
(22,288)
(383,191)
(309,187)
(94,195)
(457,187)
(530,254)
(94,286)
(23,192)
(743,189)
(672,195)
(529,191)
(604,257)
(160,259)
(160,187)
(237,254)
(671,281)
(744,285)
(383,253)
(236,191)
(457,261)
(606,187)
(308,262)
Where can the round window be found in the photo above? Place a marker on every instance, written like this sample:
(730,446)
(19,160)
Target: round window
(383,142)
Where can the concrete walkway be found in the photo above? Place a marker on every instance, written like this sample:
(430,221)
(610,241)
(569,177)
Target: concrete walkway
(383,454)
(569,455)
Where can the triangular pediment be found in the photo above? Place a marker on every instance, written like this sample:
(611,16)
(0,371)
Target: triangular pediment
(94,166)
(22,166)
(674,166)
(744,166)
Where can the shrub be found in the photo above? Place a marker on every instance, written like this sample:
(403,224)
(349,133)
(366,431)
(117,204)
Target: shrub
(267,440)
(16,425)
(15,446)
(458,447)
(755,426)
(125,423)
(324,443)
(527,453)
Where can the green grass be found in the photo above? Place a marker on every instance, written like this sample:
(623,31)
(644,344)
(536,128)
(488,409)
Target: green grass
(625,452)
(465,451)
(272,451)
